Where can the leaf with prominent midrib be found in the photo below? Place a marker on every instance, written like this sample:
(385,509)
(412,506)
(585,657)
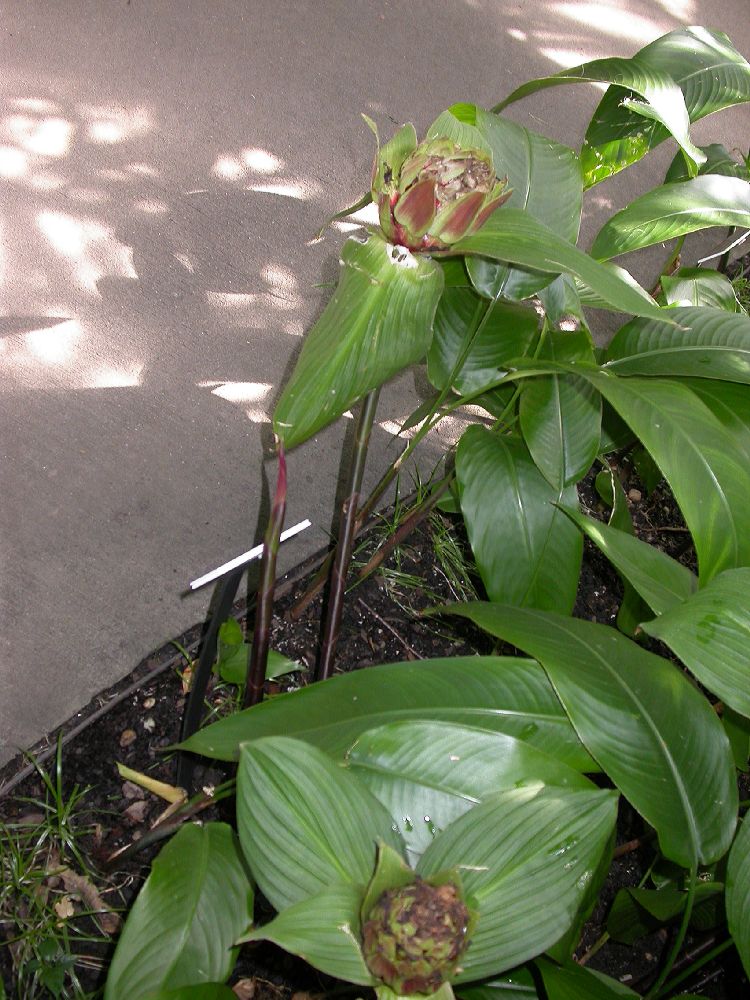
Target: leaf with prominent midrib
(427,774)
(378,321)
(526,550)
(665,103)
(711,74)
(526,860)
(511,234)
(502,694)
(738,892)
(710,632)
(654,734)
(198,880)
(674,210)
(305,824)
(710,343)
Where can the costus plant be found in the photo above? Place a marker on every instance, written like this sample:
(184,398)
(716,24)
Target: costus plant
(430,828)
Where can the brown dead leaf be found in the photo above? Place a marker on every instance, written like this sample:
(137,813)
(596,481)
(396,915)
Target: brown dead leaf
(87,892)
(187,679)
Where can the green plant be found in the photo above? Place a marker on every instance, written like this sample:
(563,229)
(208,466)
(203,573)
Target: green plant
(397,755)
(43,869)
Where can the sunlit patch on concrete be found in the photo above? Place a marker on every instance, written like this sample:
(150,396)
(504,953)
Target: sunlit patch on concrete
(13,162)
(50,137)
(142,169)
(567,58)
(47,182)
(150,206)
(87,196)
(520,36)
(53,345)
(238,392)
(92,248)
(300,192)
(108,124)
(394,428)
(610,18)
(38,105)
(682,9)
(278,277)
(114,378)
(294,328)
(261,161)
(106,132)
(228,168)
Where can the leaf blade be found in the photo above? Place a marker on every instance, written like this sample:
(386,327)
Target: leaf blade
(628,705)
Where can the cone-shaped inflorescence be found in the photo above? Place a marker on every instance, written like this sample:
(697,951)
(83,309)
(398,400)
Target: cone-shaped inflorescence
(431,195)
(413,937)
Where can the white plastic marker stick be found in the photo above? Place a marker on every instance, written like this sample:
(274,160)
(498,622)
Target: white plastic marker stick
(246,557)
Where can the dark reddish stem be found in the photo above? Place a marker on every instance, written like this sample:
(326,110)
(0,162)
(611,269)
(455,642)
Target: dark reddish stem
(347,530)
(256,673)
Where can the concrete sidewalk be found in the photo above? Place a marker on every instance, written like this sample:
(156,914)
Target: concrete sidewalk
(164,166)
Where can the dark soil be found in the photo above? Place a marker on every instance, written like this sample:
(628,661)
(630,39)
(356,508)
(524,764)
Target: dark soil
(137,719)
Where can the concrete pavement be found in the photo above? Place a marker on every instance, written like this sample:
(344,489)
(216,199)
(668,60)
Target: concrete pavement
(164,165)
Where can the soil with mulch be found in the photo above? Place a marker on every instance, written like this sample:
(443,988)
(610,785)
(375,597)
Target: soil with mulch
(137,719)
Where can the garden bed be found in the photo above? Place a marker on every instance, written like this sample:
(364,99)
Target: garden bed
(135,722)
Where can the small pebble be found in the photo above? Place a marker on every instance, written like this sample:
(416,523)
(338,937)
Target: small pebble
(128,736)
(136,811)
(149,702)
(634,495)
(149,725)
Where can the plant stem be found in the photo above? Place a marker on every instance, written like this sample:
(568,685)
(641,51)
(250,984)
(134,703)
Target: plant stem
(480,317)
(680,937)
(256,673)
(407,526)
(695,966)
(345,541)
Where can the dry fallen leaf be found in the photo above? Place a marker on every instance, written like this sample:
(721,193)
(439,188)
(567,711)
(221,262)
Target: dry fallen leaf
(64,908)
(84,888)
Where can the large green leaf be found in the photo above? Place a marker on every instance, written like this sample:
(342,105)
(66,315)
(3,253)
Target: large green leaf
(561,415)
(205,991)
(528,882)
(572,982)
(730,404)
(428,773)
(708,69)
(710,632)
(654,734)
(710,343)
(502,694)
(665,104)
(508,332)
(700,286)
(718,161)
(637,912)
(324,930)
(661,581)
(526,550)
(738,893)
(305,824)
(674,210)
(517,985)
(700,460)
(511,234)
(378,321)
(198,881)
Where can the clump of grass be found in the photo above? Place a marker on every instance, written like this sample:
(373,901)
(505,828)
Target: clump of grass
(47,886)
